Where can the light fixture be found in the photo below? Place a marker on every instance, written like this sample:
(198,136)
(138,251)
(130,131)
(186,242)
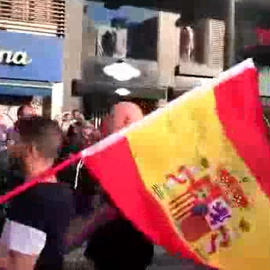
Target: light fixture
(122,92)
(121,71)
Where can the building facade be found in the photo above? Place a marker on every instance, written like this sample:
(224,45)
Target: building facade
(30,69)
(40,49)
(31,55)
(72,63)
(169,53)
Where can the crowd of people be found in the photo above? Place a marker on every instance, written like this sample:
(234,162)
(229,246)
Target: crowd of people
(71,208)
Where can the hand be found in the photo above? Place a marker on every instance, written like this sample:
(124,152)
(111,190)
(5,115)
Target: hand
(81,228)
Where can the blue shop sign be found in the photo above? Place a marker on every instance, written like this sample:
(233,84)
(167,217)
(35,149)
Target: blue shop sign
(30,57)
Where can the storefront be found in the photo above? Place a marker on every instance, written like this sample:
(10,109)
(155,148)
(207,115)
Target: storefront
(107,80)
(30,70)
(126,33)
(152,45)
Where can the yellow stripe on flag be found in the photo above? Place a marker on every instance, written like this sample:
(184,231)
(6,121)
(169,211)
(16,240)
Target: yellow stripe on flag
(172,148)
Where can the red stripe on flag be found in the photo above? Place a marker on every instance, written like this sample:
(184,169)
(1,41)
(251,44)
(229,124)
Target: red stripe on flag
(240,111)
(117,173)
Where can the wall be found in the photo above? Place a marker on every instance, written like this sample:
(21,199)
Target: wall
(165,49)
(57,99)
(88,39)
(72,51)
(168,47)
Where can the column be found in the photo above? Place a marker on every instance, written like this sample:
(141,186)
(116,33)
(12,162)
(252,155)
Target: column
(230,35)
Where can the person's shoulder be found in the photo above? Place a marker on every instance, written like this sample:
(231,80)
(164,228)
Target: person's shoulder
(45,195)
(53,191)
(9,129)
(46,207)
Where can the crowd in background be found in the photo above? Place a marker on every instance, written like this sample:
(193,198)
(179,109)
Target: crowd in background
(115,244)
(76,130)
(77,134)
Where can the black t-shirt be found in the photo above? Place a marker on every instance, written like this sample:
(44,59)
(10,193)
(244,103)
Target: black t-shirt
(116,243)
(36,222)
(119,245)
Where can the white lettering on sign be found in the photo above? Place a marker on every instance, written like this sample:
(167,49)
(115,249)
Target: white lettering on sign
(14,58)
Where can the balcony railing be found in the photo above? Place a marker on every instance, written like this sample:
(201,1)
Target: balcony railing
(35,16)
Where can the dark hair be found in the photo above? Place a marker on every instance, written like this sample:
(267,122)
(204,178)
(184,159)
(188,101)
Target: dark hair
(20,110)
(71,129)
(75,111)
(44,133)
(85,9)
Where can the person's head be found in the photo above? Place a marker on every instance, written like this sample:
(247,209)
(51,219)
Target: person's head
(76,114)
(122,115)
(87,129)
(40,139)
(77,127)
(80,118)
(66,117)
(74,131)
(25,111)
(66,121)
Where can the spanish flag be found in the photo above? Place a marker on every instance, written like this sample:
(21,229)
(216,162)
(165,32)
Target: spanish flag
(195,176)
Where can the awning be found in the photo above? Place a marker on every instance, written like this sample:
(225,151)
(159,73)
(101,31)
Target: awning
(92,73)
(146,91)
(25,88)
(146,86)
(185,83)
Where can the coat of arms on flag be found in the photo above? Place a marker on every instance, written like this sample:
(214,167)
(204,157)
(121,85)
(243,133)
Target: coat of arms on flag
(193,176)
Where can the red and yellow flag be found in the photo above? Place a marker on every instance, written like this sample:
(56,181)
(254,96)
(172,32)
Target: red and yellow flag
(195,176)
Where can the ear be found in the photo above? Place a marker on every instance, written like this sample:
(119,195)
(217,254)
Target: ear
(127,122)
(32,150)
(29,150)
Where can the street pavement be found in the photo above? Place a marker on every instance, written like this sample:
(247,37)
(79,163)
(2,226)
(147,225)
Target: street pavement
(161,261)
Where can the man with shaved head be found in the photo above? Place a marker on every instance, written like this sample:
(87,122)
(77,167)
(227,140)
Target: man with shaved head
(123,114)
(117,244)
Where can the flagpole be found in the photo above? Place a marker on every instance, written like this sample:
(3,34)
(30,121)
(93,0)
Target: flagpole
(41,178)
(230,35)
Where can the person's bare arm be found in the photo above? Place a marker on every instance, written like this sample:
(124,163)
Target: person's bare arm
(3,257)
(12,260)
(20,246)
(19,261)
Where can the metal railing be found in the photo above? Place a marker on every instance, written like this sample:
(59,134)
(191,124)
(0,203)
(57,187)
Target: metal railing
(40,16)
